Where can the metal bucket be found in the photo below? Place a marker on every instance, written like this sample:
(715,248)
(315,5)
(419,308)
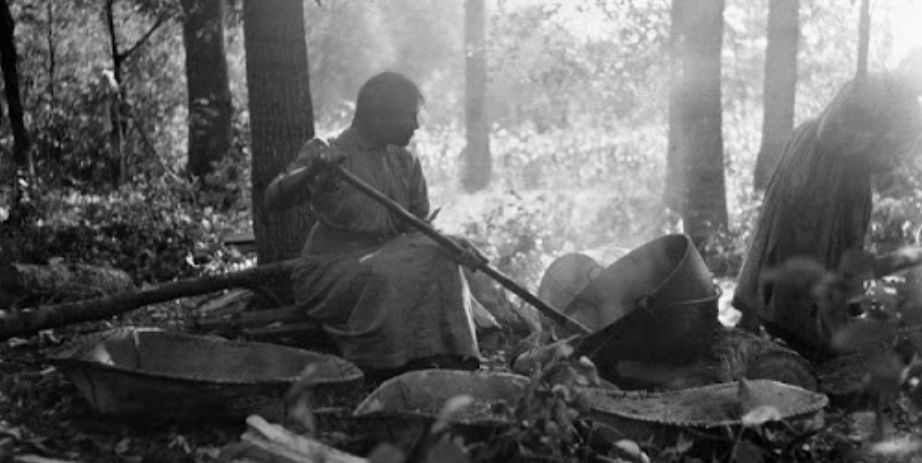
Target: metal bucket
(656,304)
(145,371)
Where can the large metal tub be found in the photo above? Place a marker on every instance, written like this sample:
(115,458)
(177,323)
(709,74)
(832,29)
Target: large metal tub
(656,304)
(143,371)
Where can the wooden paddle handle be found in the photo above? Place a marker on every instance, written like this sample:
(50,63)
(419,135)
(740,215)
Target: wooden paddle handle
(453,246)
(895,261)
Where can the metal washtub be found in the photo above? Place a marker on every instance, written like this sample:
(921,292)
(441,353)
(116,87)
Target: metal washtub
(132,371)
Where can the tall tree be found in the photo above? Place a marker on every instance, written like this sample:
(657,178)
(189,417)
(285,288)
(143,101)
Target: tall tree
(864,39)
(210,109)
(50,43)
(779,86)
(674,191)
(22,159)
(477,160)
(281,116)
(119,109)
(699,118)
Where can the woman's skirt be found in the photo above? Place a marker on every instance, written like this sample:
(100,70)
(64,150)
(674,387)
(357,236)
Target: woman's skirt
(388,304)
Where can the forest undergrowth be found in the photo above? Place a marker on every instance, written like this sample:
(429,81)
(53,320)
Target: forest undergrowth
(599,195)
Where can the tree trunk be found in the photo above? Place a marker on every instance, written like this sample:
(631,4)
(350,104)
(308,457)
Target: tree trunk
(117,163)
(864,39)
(210,110)
(779,86)
(477,163)
(701,123)
(674,193)
(281,116)
(50,43)
(22,159)
(120,114)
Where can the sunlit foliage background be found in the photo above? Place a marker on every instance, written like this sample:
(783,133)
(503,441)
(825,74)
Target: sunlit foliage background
(577,99)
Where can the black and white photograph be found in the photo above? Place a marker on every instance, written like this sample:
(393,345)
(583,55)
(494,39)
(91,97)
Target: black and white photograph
(460,231)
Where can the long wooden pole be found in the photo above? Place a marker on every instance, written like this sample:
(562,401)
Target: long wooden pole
(30,321)
(897,261)
(453,246)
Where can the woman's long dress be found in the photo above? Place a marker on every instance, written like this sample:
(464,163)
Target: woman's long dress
(385,295)
(818,201)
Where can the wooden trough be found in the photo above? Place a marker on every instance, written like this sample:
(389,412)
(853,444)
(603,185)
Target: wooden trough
(403,408)
(417,399)
(141,371)
(422,394)
(661,416)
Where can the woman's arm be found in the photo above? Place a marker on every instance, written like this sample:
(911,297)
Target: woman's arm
(288,189)
(294,186)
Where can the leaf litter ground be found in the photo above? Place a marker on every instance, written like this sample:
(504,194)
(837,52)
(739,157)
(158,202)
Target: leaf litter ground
(41,413)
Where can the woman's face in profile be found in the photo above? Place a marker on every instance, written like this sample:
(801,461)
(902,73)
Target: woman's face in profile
(397,125)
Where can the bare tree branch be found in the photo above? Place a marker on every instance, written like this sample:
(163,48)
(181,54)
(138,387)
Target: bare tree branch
(159,22)
(113,44)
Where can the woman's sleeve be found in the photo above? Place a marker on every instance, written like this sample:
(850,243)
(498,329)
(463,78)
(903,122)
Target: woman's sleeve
(419,193)
(871,117)
(275,197)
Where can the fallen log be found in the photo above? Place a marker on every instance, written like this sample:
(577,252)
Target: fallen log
(284,325)
(30,321)
(239,320)
(30,458)
(271,325)
(26,282)
(264,442)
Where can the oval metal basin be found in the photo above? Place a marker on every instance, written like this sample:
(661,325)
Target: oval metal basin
(660,416)
(153,372)
(421,396)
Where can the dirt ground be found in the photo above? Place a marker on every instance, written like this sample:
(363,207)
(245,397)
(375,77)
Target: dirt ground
(42,414)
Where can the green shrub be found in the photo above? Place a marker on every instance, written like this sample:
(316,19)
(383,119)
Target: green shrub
(154,230)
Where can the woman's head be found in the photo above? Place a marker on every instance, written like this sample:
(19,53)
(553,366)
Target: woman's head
(386,109)
(872,123)
(909,71)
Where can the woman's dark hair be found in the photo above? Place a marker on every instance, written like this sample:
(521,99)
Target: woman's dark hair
(381,94)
